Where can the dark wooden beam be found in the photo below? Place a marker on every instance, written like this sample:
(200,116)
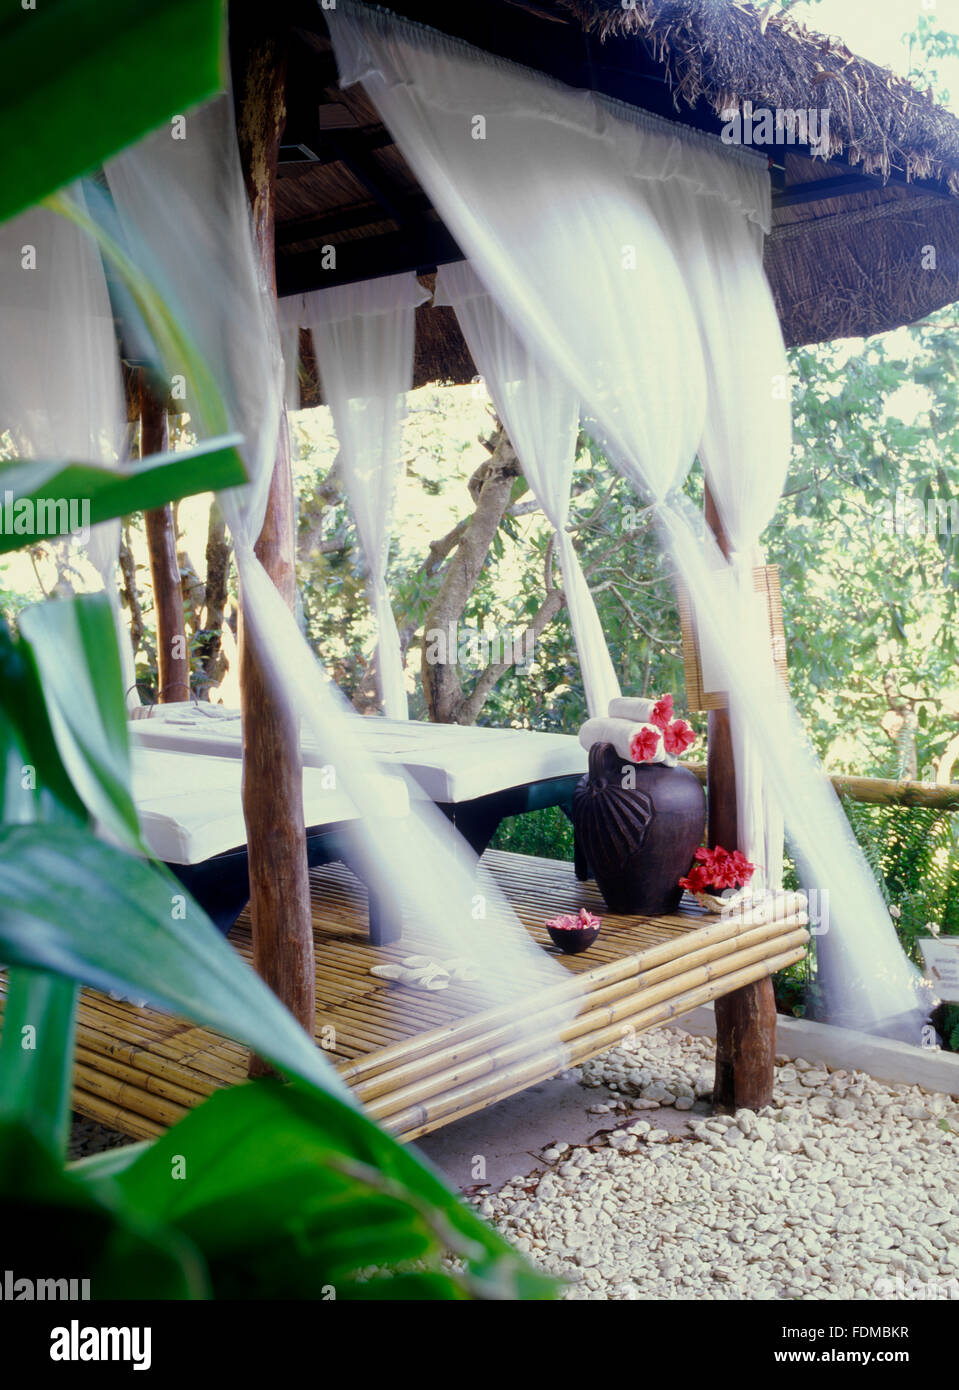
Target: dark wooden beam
(173,658)
(272,771)
(823,190)
(745,1019)
(366,259)
(346,220)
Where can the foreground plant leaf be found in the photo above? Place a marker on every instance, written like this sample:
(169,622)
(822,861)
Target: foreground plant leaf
(95,914)
(111,492)
(73,644)
(36,785)
(84,78)
(289,1194)
(36,1054)
(56,1225)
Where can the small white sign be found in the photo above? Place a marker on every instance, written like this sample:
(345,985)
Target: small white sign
(941,955)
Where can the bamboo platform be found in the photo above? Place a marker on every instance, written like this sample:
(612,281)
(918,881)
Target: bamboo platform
(419,1060)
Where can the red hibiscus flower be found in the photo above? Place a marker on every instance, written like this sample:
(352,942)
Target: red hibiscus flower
(678,736)
(717,869)
(744,870)
(644,745)
(696,881)
(662,711)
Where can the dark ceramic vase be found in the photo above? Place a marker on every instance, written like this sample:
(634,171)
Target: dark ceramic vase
(638,825)
(572,940)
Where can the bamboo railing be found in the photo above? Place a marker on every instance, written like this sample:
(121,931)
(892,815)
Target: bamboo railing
(882,791)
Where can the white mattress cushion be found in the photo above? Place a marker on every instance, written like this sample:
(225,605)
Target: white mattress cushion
(191,808)
(450,762)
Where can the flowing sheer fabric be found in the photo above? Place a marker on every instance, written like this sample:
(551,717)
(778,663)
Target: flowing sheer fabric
(61,395)
(363,340)
(745,449)
(290,316)
(536,183)
(541,416)
(188,226)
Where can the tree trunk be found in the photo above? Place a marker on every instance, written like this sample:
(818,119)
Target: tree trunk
(217,577)
(272,772)
(128,591)
(491,486)
(745,1019)
(173,660)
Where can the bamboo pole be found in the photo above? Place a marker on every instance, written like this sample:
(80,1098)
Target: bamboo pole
(615,1015)
(420,1119)
(282,923)
(881,791)
(533,1019)
(622,968)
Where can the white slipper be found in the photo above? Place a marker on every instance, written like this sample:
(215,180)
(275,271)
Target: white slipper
(461,968)
(430,976)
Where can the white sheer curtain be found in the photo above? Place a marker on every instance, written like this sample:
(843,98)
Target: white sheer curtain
(188,224)
(290,316)
(745,447)
(363,340)
(61,393)
(545,190)
(541,415)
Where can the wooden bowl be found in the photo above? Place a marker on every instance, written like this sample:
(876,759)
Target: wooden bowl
(572,941)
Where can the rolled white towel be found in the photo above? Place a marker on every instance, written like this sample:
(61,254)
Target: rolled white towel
(634,708)
(620,733)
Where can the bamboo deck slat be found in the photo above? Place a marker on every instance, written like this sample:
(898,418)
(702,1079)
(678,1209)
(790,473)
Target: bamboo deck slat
(419,1060)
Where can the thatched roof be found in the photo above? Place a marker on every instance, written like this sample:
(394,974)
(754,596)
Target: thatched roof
(728,53)
(836,270)
(848,253)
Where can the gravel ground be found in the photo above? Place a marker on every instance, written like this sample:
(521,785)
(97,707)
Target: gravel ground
(844,1188)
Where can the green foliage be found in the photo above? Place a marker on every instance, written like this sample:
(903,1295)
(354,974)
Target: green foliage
(912,851)
(870,610)
(547,833)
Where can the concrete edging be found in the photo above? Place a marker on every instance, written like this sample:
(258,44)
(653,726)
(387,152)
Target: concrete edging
(844,1048)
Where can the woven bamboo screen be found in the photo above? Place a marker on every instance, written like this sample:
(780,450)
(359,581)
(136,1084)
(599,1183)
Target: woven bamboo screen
(765,581)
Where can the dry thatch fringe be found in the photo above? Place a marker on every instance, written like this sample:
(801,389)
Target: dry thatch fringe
(850,274)
(729,53)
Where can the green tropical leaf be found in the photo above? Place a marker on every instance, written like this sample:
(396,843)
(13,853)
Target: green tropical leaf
(84,78)
(29,748)
(74,645)
(55,1224)
(36,1054)
(40,492)
(287,1192)
(72,904)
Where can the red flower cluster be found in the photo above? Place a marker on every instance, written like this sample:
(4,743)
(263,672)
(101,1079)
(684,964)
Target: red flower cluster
(583,919)
(716,869)
(676,734)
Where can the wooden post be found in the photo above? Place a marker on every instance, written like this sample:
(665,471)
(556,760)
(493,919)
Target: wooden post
(173,658)
(272,771)
(746,1018)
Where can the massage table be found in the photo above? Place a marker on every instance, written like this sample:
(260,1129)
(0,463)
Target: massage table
(191,814)
(476,776)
